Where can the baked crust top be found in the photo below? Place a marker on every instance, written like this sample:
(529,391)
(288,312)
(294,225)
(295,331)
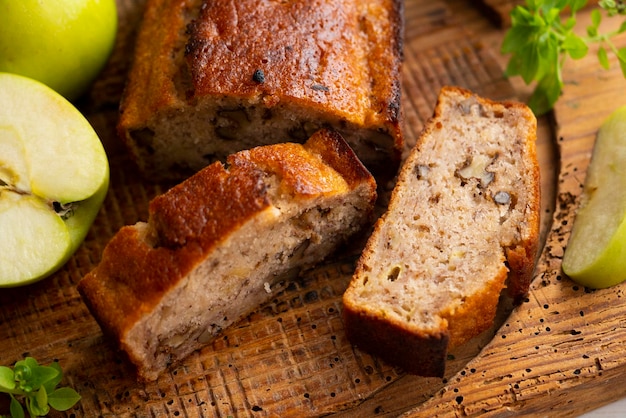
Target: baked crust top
(339,57)
(334,54)
(144,261)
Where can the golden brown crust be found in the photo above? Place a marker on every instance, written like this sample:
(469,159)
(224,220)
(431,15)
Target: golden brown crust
(142,263)
(131,278)
(336,153)
(522,258)
(150,86)
(326,55)
(477,312)
(200,209)
(423,351)
(416,351)
(392,340)
(332,64)
(188,221)
(214,202)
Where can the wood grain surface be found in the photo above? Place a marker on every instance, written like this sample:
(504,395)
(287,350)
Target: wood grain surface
(558,353)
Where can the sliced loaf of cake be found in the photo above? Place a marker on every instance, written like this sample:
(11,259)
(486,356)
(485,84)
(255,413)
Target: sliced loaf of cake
(210,78)
(223,242)
(463,216)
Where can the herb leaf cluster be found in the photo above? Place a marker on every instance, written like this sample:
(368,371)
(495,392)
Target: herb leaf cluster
(36,386)
(542,37)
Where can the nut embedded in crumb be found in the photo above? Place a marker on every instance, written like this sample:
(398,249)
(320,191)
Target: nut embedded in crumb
(477,168)
(502,198)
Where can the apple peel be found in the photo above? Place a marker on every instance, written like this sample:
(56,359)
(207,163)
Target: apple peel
(63,44)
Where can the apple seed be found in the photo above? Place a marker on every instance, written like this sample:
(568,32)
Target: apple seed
(65,211)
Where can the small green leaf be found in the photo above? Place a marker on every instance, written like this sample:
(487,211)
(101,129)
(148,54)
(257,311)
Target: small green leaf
(515,39)
(577,5)
(569,23)
(519,15)
(16,409)
(551,15)
(575,46)
(546,94)
(548,51)
(41,398)
(531,4)
(514,66)
(23,374)
(63,399)
(36,386)
(561,4)
(603,58)
(52,383)
(531,63)
(28,361)
(613,7)
(35,409)
(41,375)
(7,378)
(542,35)
(522,17)
(596,18)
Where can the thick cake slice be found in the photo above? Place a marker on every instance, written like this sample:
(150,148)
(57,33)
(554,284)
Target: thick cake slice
(211,78)
(463,215)
(223,242)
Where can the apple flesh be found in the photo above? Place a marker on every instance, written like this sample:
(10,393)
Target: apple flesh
(39,231)
(54,176)
(62,43)
(596,252)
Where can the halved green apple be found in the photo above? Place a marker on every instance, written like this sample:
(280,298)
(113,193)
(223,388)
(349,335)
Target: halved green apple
(54,176)
(596,252)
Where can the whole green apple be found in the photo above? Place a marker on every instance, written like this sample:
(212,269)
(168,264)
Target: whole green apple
(596,252)
(62,43)
(54,176)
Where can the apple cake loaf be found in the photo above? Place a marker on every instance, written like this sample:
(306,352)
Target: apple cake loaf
(463,216)
(210,78)
(223,242)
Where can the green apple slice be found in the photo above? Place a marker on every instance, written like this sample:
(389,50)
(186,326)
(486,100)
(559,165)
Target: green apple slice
(54,176)
(596,252)
(33,237)
(63,153)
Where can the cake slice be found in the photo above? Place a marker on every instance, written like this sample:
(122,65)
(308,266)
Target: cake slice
(210,78)
(223,242)
(463,216)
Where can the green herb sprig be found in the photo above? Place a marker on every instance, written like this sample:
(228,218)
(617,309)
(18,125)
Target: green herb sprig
(542,36)
(36,385)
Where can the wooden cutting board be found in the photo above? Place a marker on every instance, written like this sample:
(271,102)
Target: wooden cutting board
(559,352)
